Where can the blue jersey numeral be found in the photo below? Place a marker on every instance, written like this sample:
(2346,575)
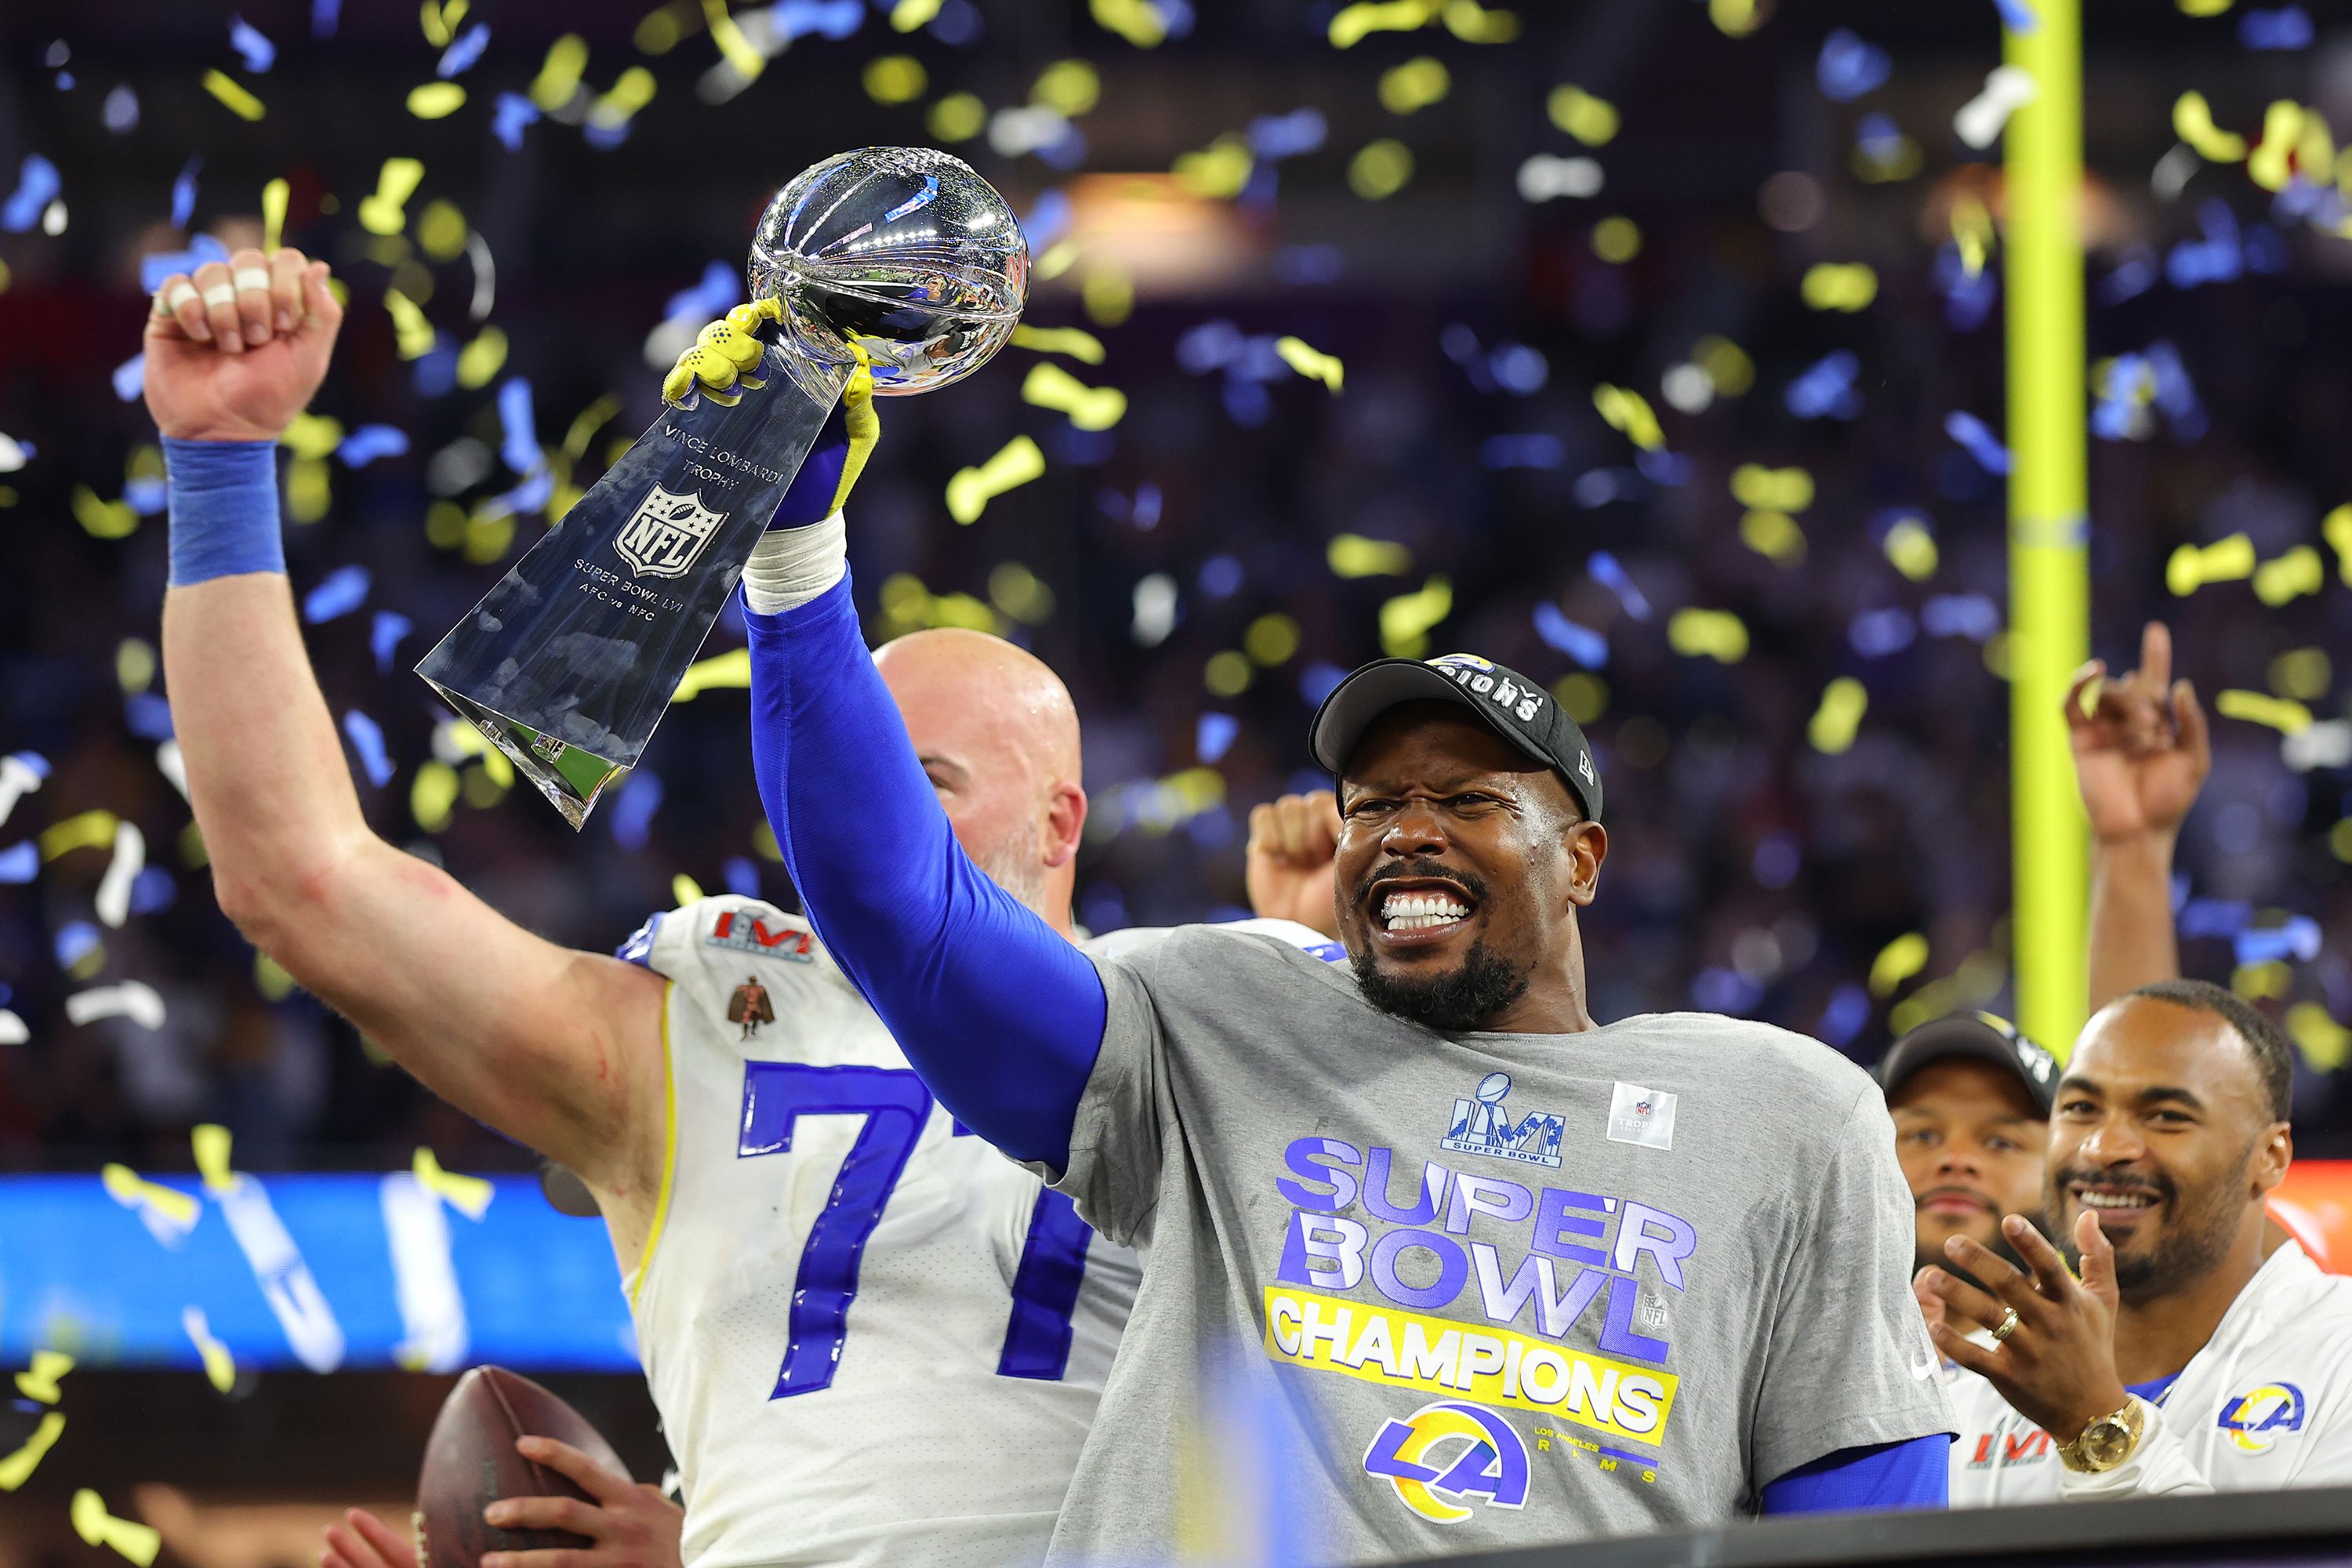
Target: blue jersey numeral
(895,1106)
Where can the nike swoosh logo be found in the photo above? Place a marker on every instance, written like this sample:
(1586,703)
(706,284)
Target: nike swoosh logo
(1927,1369)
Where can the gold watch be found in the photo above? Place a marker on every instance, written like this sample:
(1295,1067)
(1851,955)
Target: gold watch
(2107,1441)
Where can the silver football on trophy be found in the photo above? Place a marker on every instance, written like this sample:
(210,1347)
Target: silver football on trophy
(906,248)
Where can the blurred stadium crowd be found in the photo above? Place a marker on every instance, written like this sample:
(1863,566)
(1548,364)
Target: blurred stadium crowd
(1651,348)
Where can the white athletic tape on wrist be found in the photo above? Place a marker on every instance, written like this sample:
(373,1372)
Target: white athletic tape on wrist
(790,566)
(250,277)
(219,294)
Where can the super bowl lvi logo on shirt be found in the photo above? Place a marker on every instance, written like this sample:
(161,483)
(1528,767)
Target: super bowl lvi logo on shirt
(666,533)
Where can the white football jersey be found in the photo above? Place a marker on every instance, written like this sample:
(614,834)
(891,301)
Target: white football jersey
(872,1338)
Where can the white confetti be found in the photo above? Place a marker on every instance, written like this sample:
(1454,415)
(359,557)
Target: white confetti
(114,889)
(1544,176)
(2006,89)
(132,999)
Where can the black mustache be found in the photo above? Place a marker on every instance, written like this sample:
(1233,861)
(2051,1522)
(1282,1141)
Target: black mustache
(1424,870)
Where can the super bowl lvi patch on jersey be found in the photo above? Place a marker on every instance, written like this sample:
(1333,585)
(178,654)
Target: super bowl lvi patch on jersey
(1638,1115)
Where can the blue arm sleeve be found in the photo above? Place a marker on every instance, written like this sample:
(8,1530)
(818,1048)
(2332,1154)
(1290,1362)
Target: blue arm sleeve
(1000,1016)
(1912,1474)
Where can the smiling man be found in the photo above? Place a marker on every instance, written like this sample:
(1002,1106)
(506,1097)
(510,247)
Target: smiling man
(2192,1355)
(1971,1099)
(1501,1274)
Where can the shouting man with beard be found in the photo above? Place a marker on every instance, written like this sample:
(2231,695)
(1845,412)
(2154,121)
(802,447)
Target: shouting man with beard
(2194,1352)
(1501,1274)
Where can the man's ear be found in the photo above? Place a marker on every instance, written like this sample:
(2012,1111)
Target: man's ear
(2273,1153)
(1587,845)
(1066,823)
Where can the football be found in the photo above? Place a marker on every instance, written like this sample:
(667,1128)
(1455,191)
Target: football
(470,1462)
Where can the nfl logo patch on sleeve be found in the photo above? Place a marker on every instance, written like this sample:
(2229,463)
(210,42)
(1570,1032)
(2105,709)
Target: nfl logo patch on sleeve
(1638,1115)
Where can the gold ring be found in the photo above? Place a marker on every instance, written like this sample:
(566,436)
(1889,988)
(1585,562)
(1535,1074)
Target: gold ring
(2008,1325)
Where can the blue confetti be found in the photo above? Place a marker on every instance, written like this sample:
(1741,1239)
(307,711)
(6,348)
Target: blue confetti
(325,16)
(1848,68)
(2175,395)
(2285,28)
(37,187)
(1214,735)
(1142,512)
(2266,251)
(2214,917)
(246,40)
(1246,403)
(1879,137)
(369,442)
(1977,439)
(1580,643)
(1221,576)
(129,376)
(1317,681)
(1532,451)
(741,877)
(367,737)
(152,891)
(711,296)
(632,812)
(384,636)
(1843,1019)
(121,111)
(1273,137)
(1874,634)
(2134,275)
(183,194)
(1969,615)
(519,450)
(958,24)
(2017,15)
(836,19)
(2297,939)
(1210,346)
(437,371)
(1064,152)
(1777,861)
(1309,264)
(75,942)
(1825,389)
(1610,576)
(514,113)
(464,50)
(65,81)
(146,495)
(20,862)
(339,592)
(1726,991)
(37,764)
(2216,258)
(1663,467)
(153,268)
(147,715)
(1968,300)
(526,496)
(1047,221)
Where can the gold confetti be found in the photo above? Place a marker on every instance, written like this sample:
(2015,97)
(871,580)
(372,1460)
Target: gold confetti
(1218,171)
(469,1195)
(1089,407)
(1830,286)
(1837,719)
(2192,567)
(2302,673)
(1897,961)
(957,117)
(559,75)
(685,889)
(220,1366)
(269,978)
(2336,529)
(662,28)
(92,829)
(1735,18)
(479,362)
(2203,8)
(18,1468)
(1718,634)
(412,333)
(1591,120)
(103,519)
(39,1381)
(1271,640)
(1311,362)
(1476,24)
(1407,620)
(2259,708)
(1781,490)
(1109,295)
(134,664)
(211,1142)
(2290,577)
(1616,240)
(1353,555)
(2324,1043)
(233,97)
(169,1204)
(1380,169)
(1727,364)
(2192,121)
(139,1542)
(2261,982)
(631,92)
(970,490)
(440,21)
(1351,24)
(1973,232)
(1912,550)
(384,213)
(724,671)
(432,794)
(1020,592)
(1137,21)
(1629,413)
(908,14)
(436,100)
(313,436)
(309,489)
(1774,535)
(2268,165)
(1416,84)
(273,214)
(748,61)
(1068,86)
(895,78)
(1076,342)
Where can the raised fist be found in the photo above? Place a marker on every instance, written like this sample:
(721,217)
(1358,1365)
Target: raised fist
(236,351)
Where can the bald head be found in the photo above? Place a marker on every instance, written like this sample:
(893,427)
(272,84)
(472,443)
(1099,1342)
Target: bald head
(998,736)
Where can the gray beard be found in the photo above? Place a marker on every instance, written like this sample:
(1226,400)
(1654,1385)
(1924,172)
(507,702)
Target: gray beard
(1014,867)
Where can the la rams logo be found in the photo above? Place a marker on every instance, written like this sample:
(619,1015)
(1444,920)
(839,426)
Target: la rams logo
(2251,1418)
(1445,1453)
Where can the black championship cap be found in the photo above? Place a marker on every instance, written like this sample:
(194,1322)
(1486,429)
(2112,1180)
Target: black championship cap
(1981,1036)
(1514,707)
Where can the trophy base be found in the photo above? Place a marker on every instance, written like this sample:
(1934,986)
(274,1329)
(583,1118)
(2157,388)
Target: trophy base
(570,777)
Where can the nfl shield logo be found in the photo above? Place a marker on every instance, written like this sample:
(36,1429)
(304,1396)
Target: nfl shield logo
(665,534)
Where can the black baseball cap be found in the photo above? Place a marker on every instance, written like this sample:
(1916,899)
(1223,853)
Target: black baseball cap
(1511,705)
(1984,1036)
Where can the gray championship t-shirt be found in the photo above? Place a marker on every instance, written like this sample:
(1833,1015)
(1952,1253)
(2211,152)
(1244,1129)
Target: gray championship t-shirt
(1498,1289)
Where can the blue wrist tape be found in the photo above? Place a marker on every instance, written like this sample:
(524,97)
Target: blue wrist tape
(224,509)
